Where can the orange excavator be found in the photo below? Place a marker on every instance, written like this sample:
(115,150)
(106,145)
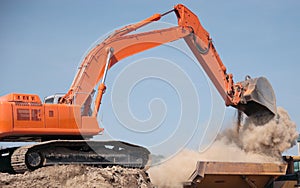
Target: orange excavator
(62,123)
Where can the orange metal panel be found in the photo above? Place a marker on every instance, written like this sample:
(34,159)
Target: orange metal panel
(234,174)
(67,117)
(245,168)
(51,115)
(217,181)
(18,97)
(46,131)
(88,131)
(6,119)
(27,116)
(90,126)
(47,119)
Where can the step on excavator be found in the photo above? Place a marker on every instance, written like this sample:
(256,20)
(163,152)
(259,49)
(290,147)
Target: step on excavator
(62,126)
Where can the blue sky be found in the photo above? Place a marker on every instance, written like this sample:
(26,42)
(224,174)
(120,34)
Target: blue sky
(43,42)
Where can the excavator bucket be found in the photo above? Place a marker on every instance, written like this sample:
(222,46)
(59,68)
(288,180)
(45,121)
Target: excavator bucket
(258,101)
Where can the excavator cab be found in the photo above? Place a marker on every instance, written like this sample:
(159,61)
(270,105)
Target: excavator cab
(258,100)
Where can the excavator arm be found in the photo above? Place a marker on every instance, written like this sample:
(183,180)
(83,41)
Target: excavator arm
(247,96)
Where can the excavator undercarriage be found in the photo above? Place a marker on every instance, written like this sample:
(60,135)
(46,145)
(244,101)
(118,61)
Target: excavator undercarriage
(62,152)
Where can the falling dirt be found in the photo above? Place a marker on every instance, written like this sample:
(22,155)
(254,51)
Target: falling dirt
(78,176)
(253,143)
(271,139)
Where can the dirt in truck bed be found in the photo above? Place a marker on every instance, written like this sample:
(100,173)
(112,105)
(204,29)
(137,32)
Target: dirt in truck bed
(77,176)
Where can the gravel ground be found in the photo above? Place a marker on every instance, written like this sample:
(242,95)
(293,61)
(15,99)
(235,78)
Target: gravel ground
(78,176)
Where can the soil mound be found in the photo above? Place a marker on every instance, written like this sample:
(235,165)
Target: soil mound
(78,176)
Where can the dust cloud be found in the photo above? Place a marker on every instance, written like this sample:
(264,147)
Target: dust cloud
(259,144)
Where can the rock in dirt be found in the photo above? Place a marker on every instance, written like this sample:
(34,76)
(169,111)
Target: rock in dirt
(78,176)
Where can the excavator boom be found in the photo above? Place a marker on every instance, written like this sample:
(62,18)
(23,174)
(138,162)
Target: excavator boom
(254,97)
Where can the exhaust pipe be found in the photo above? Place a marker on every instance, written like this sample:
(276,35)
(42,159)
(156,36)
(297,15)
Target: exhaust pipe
(258,100)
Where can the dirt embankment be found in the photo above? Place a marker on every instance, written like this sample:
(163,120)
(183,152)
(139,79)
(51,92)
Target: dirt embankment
(78,176)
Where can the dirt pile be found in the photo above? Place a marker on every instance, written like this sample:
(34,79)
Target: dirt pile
(78,176)
(259,144)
